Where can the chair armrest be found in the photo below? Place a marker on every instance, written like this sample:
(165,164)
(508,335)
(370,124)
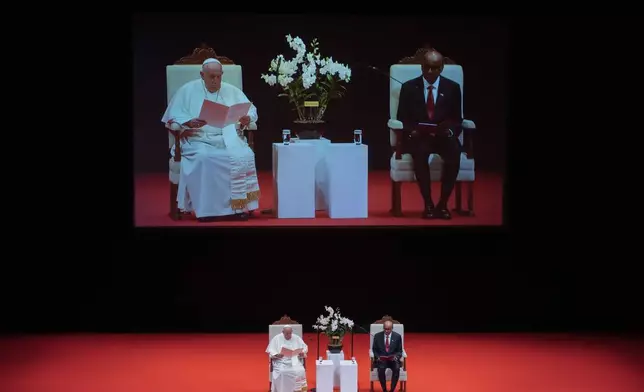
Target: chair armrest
(251,127)
(397,127)
(394,124)
(175,129)
(469,127)
(249,133)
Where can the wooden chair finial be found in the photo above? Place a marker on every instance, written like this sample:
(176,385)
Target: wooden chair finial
(386,318)
(200,54)
(417,58)
(285,320)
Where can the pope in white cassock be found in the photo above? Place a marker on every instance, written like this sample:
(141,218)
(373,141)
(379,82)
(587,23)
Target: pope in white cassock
(289,374)
(218,178)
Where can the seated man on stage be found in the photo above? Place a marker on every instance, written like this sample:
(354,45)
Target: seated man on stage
(287,350)
(388,352)
(218,178)
(435,101)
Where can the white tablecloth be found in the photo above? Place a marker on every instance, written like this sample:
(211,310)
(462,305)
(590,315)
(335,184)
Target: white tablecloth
(324,376)
(336,359)
(294,180)
(320,171)
(346,179)
(348,376)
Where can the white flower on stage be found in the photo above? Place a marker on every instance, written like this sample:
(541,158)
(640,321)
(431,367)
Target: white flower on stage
(319,78)
(333,324)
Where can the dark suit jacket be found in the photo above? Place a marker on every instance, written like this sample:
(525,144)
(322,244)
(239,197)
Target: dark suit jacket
(412,108)
(395,344)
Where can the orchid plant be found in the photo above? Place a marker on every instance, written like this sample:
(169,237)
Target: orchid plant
(308,77)
(333,324)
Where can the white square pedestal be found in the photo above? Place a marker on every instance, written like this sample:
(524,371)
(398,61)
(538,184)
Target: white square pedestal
(336,359)
(321,195)
(348,376)
(294,180)
(324,376)
(348,180)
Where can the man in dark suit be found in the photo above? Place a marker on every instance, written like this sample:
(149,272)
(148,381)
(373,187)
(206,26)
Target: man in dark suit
(388,352)
(432,99)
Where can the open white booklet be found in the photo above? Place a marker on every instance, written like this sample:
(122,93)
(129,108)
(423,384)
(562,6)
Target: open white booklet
(220,116)
(290,353)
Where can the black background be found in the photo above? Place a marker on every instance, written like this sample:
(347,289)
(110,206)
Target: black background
(80,266)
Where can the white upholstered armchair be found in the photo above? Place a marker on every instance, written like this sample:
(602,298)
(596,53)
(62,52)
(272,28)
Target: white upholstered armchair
(401,164)
(275,329)
(181,72)
(376,327)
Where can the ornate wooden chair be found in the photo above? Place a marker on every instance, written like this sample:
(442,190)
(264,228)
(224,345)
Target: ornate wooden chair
(182,71)
(401,165)
(376,327)
(273,330)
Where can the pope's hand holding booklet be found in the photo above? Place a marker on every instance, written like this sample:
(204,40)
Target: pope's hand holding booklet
(290,353)
(220,116)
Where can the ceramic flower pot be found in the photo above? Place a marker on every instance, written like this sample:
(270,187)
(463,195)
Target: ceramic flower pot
(309,129)
(335,344)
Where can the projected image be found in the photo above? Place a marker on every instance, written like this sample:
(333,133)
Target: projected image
(311,123)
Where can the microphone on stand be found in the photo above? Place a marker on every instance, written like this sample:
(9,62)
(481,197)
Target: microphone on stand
(371,67)
(363,329)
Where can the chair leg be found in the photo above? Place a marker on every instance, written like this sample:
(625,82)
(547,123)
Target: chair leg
(396,201)
(470,199)
(458,195)
(175,214)
(371,386)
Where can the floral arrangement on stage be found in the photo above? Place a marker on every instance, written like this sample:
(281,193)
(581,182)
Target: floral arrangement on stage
(333,324)
(308,80)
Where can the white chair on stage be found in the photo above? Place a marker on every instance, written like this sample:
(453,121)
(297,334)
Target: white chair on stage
(376,327)
(401,164)
(184,70)
(275,329)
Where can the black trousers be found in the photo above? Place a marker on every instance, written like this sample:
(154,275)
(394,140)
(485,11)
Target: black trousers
(395,373)
(421,146)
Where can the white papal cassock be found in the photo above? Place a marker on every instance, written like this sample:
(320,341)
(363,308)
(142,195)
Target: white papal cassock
(289,374)
(218,174)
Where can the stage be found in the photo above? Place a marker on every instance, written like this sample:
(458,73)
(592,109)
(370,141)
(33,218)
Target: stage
(237,363)
(152,194)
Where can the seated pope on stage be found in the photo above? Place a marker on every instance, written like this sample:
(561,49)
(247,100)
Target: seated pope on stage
(218,178)
(289,374)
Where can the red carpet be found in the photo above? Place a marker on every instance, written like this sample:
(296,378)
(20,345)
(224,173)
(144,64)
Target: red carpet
(152,193)
(237,363)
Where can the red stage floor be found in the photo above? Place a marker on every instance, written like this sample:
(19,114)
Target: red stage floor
(152,193)
(237,363)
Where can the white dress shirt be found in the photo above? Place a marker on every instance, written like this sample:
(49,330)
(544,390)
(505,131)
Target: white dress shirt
(434,91)
(391,334)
